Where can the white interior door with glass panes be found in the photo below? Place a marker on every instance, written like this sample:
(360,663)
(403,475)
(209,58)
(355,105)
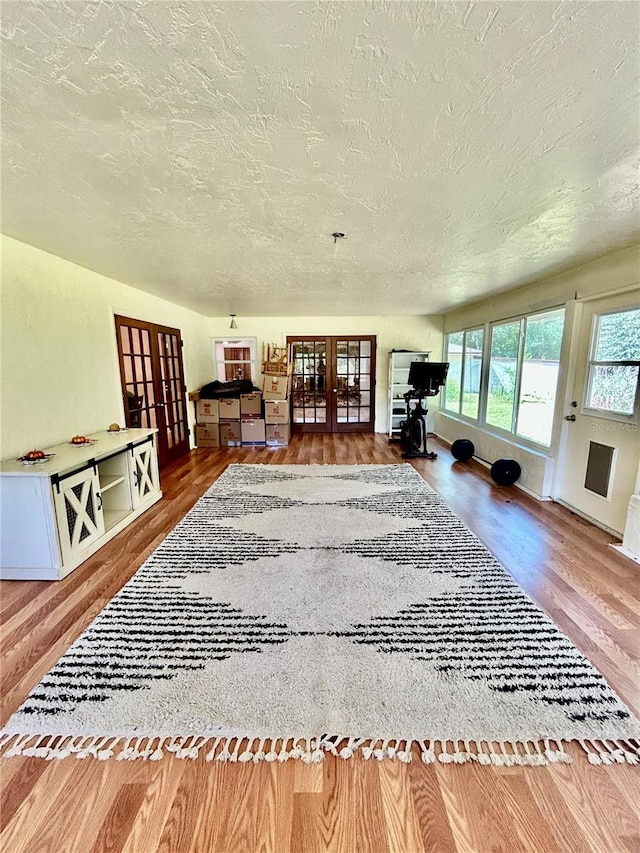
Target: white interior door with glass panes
(600,446)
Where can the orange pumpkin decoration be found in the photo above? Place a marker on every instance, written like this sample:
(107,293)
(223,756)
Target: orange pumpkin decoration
(35,454)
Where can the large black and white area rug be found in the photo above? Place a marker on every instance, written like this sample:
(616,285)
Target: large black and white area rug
(303,609)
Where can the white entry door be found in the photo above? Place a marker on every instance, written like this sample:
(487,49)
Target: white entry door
(601,433)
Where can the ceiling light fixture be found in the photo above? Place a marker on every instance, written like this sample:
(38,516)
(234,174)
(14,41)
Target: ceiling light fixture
(337,235)
(233,324)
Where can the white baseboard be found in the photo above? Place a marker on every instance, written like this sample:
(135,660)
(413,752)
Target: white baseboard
(488,465)
(586,517)
(626,552)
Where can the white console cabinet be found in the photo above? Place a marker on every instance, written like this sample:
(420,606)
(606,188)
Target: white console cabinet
(54,515)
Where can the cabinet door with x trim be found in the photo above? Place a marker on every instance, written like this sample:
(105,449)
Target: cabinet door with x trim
(79,512)
(144,473)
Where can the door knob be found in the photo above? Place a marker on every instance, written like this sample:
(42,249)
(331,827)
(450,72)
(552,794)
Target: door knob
(569,417)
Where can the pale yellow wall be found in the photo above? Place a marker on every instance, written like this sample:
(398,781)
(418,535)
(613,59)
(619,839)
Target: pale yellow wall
(59,365)
(619,270)
(58,357)
(413,333)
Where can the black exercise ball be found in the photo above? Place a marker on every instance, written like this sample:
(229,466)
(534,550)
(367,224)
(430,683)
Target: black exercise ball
(505,472)
(462,449)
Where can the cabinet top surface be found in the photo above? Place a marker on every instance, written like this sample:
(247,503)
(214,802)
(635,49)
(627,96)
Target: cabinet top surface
(68,457)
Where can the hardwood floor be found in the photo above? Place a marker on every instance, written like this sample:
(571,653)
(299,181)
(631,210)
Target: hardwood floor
(564,563)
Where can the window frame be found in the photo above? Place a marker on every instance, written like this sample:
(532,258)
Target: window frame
(464,332)
(607,414)
(481,420)
(218,364)
(517,382)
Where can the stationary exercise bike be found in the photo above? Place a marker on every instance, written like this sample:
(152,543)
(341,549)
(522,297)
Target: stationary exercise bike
(413,431)
(426,377)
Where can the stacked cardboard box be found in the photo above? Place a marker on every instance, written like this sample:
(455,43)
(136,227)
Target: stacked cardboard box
(278,435)
(229,409)
(276,415)
(251,420)
(217,421)
(276,374)
(275,387)
(230,433)
(207,423)
(208,435)
(251,405)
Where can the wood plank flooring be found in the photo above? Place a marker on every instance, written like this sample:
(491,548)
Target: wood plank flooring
(177,806)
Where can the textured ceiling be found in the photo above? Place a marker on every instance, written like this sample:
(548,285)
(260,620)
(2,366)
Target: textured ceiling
(206,151)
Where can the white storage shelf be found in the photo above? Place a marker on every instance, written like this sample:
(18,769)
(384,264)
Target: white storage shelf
(56,514)
(399,364)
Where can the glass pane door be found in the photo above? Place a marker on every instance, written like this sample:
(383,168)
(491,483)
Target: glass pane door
(172,388)
(135,356)
(333,383)
(353,375)
(153,389)
(309,384)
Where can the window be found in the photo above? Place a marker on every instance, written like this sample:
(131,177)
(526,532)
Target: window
(503,368)
(234,359)
(539,376)
(612,387)
(518,394)
(462,389)
(452,388)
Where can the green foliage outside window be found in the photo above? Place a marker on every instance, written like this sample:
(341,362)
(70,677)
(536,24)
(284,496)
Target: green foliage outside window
(619,337)
(613,387)
(532,368)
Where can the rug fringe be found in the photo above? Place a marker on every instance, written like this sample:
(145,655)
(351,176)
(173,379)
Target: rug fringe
(608,752)
(242,750)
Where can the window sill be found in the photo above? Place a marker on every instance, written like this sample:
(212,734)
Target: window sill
(603,414)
